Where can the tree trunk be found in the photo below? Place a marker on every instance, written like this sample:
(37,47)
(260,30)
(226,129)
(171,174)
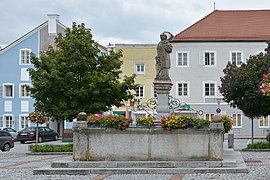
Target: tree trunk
(252,131)
(37,135)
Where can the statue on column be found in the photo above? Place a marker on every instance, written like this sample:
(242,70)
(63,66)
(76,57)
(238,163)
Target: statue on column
(163,64)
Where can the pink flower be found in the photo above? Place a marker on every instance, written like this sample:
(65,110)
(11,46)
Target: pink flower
(168,129)
(194,127)
(99,116)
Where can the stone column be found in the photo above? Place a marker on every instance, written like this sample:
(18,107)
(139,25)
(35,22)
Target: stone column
(163,88)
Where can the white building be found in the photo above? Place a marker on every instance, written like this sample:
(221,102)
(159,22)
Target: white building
(202,51)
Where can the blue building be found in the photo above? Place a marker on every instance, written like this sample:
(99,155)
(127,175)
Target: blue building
(15,102)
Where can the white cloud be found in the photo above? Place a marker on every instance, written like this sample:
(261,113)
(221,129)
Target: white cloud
(134,21)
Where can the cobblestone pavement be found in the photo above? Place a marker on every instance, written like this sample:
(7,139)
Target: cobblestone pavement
(15,165)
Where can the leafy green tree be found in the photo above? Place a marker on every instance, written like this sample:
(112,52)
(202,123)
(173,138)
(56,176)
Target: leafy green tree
(77,77)
(240,86)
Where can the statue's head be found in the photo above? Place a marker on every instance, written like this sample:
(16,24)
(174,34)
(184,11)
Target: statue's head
(163,36)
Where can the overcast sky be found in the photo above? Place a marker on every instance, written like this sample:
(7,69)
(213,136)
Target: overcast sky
(114,21)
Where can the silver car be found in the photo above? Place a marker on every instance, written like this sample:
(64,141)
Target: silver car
(6,141)
(11,131)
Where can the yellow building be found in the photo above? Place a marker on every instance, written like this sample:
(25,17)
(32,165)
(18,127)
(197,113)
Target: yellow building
(139,59)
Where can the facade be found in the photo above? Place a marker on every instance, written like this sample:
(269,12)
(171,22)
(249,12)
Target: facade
(15,102)
(202,51)
(139,59)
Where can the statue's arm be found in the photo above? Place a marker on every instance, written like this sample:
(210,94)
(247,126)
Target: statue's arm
(168,48)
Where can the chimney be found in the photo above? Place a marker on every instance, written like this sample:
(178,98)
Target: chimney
(52,23)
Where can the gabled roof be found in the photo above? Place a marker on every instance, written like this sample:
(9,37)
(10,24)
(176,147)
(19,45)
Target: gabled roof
(229,25)
(27,35)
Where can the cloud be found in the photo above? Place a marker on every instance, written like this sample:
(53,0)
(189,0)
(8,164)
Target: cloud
(114,20)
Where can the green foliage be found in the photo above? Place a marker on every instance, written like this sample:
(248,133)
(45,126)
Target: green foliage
(52,148)
(227,123)
(240,86)
(77,77)
(111,120)
(259,145)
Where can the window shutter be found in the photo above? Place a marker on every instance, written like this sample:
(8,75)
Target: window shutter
(1,121)
(1,91)
(201,58)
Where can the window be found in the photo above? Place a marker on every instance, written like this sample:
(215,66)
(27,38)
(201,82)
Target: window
(8,121)
(23,122)
(8,90)
(140,92)
(24,74)
(209,58)
(25,56)
(236,58)
(237,120)
(154,91)
(139,68)
(209,116)
(263,122)
(209,89)
(23,90)
(183,89)
(182,59)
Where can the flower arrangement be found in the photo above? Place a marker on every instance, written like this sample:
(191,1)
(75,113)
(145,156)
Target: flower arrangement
(227,122)
(182,122)
(37,117)
(265,87)
(148,121)
(111,120)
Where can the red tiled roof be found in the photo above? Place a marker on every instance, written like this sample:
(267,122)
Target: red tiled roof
(229,25)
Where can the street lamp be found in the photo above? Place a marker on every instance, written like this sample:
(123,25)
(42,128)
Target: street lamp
(218,110)
(217,116)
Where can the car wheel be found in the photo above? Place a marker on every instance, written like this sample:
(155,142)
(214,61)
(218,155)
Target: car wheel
(55,137)
(40,139)
(22,142)
(6,147)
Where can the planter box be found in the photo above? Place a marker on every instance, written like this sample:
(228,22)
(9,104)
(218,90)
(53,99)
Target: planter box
(142,144)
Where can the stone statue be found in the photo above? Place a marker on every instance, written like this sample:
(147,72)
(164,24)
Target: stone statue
(163,64)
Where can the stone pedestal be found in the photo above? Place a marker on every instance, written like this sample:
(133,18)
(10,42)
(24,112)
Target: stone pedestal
(216,141)
(163,88)
(144,144)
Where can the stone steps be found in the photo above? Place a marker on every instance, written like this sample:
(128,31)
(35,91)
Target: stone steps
(86,171)
(231,163)
(142,164)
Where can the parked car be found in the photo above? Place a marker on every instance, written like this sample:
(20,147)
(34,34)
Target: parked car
(11,131)
(6,141)
(29,134)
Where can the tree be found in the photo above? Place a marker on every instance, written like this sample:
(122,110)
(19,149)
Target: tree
(77,77)
(240,86)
